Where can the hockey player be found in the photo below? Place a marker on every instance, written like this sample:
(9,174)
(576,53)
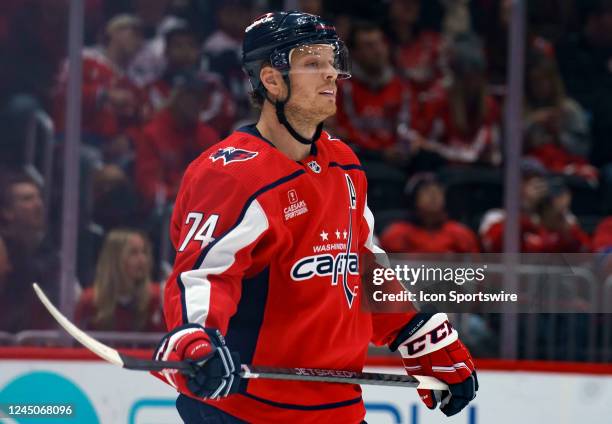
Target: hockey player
(268,227)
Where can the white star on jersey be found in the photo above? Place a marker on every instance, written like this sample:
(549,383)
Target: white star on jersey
(323,235)
(344,234)
(338,234)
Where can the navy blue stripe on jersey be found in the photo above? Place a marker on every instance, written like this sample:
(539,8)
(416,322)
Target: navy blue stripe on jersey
(209,246)
(244,210)
(305,407)
(243,328)
(181,285)
(252,130)
(347,167)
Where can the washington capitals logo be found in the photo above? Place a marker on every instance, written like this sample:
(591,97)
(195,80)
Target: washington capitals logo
(232,154)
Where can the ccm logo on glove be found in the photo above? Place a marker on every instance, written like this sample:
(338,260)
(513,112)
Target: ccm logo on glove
(435,336)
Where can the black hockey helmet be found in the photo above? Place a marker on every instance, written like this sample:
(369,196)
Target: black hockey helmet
(272,37)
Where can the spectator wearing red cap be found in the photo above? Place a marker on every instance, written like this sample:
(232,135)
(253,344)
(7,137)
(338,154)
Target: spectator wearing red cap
(173,138)
(429,230)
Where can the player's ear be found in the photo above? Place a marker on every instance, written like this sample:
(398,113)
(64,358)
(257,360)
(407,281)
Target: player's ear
(272,80)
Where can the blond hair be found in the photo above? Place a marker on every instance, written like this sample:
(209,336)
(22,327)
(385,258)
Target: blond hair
(110,278)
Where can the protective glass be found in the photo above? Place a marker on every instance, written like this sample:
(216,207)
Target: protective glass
(319,58)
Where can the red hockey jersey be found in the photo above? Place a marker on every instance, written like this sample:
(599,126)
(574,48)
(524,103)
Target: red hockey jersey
(262,245)
(420,61)
(534,237)
(100,118)
(480,143)
(163,150)
(125,316)
(450,237)
(376,119)
(219,110)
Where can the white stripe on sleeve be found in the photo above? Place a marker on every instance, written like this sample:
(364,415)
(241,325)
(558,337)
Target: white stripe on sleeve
(219,259)
(381,257)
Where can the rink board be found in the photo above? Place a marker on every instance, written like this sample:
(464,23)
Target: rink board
(113,395)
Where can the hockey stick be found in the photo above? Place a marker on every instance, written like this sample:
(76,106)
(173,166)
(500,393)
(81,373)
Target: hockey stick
(247,371)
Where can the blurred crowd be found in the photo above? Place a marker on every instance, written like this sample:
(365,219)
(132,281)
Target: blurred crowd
(424,110)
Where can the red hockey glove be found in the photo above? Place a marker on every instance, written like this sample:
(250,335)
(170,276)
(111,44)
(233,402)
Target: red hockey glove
(216,371)
(429,345)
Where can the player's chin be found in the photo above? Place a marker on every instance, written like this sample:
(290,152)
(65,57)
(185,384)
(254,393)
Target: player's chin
(327,110)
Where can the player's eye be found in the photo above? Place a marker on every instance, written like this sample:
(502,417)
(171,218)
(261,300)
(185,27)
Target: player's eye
(312,64)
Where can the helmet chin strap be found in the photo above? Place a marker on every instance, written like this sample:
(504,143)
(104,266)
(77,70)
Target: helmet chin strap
(282,118)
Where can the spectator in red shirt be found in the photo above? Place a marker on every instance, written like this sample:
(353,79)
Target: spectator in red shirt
(546,222)
(123,297)
(429,230)
(375,107)
(174,138)
(534,187)
(462,125)
(416,51)
(182,54)
(557,130)
(111,102)
(561,231)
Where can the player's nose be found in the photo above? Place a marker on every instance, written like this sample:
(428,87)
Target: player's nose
(330,73)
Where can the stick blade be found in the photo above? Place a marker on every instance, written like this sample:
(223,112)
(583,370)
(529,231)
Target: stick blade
(431,383)
(103,351)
